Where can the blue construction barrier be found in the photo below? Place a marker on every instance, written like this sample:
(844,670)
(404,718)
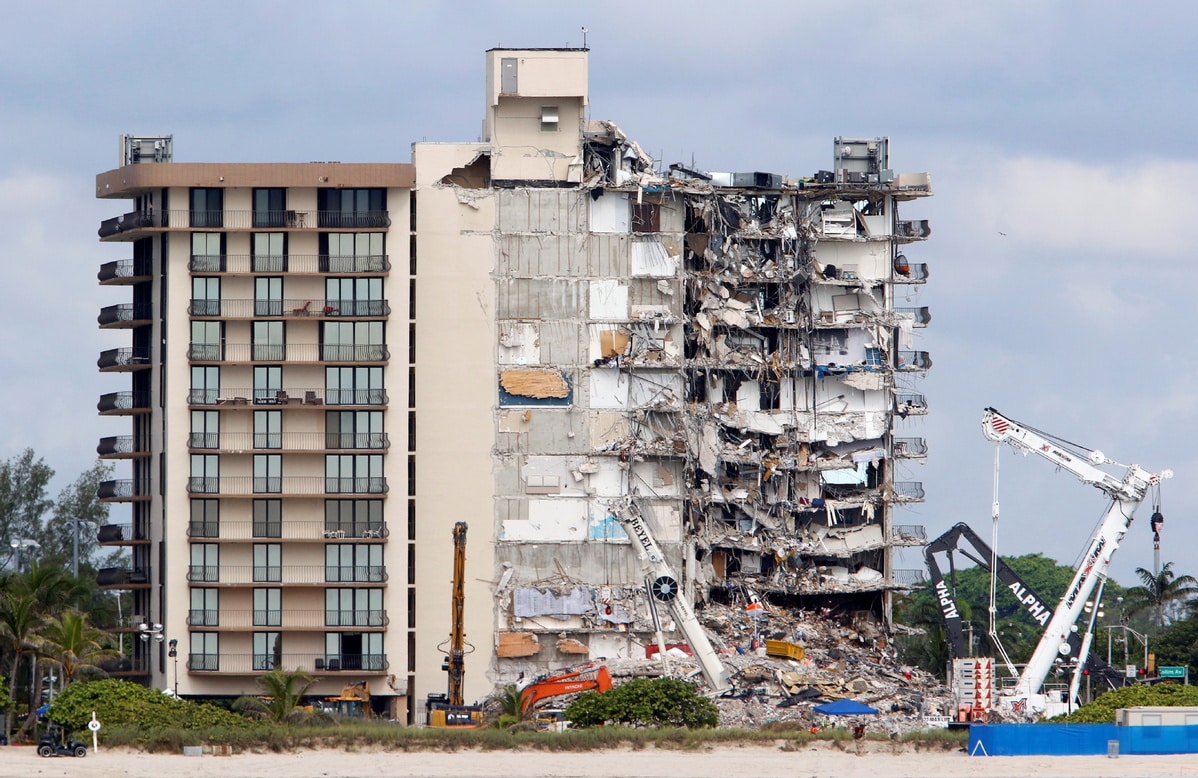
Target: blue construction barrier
(1078,739)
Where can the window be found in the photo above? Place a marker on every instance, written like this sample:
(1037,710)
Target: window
(268,562)
(268,296)
(346,563)
(268,429)
(354,386)
(268,473)
(205,563)
(269,250)
(205,385)
(353,608)
(207,208)
(205,651)
(353,518)
(207,341)
(549,118)
(205,429)
(268,607)
(354,651)
(205,608)
(646,217)
(205,474)
(353,208)
(268,518)
(354,474)
(354,297)
(269,208)
(205,519)
(353,252)
(207,252)
(354,429)
(353,341)
(269,340)
(205,296)
(268,650)
(268,382)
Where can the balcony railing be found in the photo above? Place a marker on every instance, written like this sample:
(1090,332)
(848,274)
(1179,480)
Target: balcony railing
(908,404)
(289,441)
(244,220)
(304,307)
(261,663)
(285,485)
(910,448)
(286,574)
(914,229)
(287,619)
(290,530)
(119,447)
(124,315)
(122,576)
(116,534)
(909,577)
(908,490)
(291,352)
(288,263)
(914,360)
(124,271)
(124,359)
(123,403)
(909,272)
(288,396)
(122,490)
(913,534)
(921,316)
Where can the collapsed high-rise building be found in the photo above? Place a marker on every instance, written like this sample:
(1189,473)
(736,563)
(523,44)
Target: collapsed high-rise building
(545,334)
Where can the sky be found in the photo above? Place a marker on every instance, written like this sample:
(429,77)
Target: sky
(1059,137)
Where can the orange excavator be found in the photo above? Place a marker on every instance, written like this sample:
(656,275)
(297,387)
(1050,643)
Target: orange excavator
(450,710)
(589,678)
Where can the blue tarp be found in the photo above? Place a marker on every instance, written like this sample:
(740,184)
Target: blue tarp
(845,708)
(1078,739)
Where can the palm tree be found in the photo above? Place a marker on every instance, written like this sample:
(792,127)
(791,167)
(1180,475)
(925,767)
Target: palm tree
(1159,593)
(20,620)
(73,644)
(282,692)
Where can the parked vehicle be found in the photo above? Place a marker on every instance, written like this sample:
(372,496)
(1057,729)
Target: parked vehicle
(56,743)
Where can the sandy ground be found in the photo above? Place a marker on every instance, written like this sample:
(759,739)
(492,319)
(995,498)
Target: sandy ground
(721,762)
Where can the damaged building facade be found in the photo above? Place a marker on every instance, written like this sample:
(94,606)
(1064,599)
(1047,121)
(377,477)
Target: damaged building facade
(731,356)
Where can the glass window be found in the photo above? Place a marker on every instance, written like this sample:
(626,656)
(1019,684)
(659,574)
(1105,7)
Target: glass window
(353,341)
(270,207)
(359,563)
(353,208)
(354,429)
(268,650)
(268,429)
(205,474)
(268,562)
(354,651)
(269,251)
(207,338)
(353,252)
(268,518)
(354,474)
(268,382)
(354,386)
(205,651)
(205,608)
(205,563)
(207,207)
(268,607)
(205,385)
(268,296)
(205,429)
(354,297)
(205,296)
(269,340)
(353,518)
(353,608)
(268,473)
(207,252)
(205,519)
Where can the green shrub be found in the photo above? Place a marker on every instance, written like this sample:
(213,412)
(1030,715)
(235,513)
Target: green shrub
(645,702)
(118,703)
(1102,709)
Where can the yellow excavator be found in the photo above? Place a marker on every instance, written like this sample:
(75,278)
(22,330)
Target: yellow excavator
(450,710)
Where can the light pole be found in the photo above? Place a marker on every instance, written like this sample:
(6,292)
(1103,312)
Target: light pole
(151,632)
(173,653)
(21,546)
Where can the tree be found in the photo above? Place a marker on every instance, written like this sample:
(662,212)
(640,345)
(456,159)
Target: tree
(1159,595)
(645,702)
(20,618)
(77,515)
(282,692)
(73,644)
(23,501)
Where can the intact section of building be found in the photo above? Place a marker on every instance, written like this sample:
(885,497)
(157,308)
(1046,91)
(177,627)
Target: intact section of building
(731,356)
(266,385)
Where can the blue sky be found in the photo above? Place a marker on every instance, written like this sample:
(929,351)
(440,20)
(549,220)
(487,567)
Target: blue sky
(1059,136)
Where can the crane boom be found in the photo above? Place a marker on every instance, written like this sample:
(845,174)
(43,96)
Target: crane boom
(664,588)
(456,659)
(1125,495)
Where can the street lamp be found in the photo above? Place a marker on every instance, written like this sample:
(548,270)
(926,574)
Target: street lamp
(21,547)
(173,653)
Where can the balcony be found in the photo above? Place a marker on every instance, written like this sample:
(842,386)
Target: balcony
(910,448)
(123,403)
(254,664)
(123,490)
(909,272)
(122,578)
(139,224)
(284,486)
(120,447)
(126,666)
(920,317)
(913,361)
(292,264)
(124,272)
(908,535)
(293,575)
(124,316)
(291,352)
(305,308)
(123,360)
(119,535)
(908,404)
(288,619)
(908,578)
(913,229)
(908,491)
(288,441)
(288,396)
(234,530)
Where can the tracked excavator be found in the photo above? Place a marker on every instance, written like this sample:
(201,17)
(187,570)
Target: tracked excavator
(450,710)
